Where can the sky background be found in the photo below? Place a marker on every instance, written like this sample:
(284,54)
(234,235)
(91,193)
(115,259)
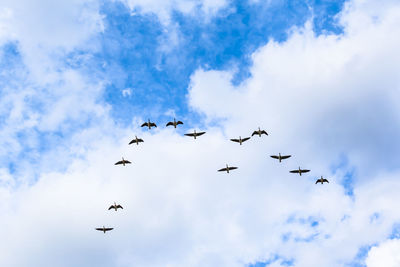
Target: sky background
(78,78)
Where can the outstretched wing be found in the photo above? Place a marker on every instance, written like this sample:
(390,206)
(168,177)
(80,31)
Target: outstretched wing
(325,180)
(133,141)
(254,133)
(190,134)
(179,122)
(245,139)
(274,157)
(295,171)
(200,133)
(108,229)
(99,229)
(305,170)
(264,132)
(144,124)
(119,162)
(111,207)
(119,206)
(140,140)
(152,124)
(127,162)
(232,168)
(170,123)
(235,140)
(222,170)
(286,157)
(318,181)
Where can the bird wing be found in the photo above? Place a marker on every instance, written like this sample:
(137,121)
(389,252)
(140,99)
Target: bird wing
(189,134)
(274,157)
(144,124)
(200,133)
(133,141)
(222,170)
(179,122)
(318,181)
(170,123)
(119,162)
(140,140)
(232,168)
(285,157)
(305,170)
(264,132)
(108,229)
(99,229)
(245,139)
(111,207)
(325,180)
(153,124)
(295,171)
(119,206)
(235,140)
(127,162)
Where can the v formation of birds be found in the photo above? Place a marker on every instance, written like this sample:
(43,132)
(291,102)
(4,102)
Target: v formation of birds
(226,169)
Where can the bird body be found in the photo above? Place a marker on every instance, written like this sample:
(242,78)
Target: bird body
(227,169)
(104,229)
(322,180)
(259,132)
(174,123)
(136,140)
(149,124)
(195,134)
(240,140)
(123,162)
(299,171)
(280,157)
(115,206)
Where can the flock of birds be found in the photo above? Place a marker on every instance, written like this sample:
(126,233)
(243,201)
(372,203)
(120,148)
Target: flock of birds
(195,134)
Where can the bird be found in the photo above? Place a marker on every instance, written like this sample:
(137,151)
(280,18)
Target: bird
(240,140)
(115,206)
(227,169)
(123,162)
(299,171)
(149,124)
(104,229)
(195,134)
(280,157)
(259,132)
(136,140)
(322,180)
(174,123)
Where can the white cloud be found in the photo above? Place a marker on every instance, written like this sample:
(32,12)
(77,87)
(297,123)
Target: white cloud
(386,254)
(312,94)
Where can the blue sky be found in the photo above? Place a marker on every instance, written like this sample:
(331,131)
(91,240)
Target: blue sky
(77,80)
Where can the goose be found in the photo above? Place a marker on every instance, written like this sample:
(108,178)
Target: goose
(280,157)
(195,134)
(227,169)
(174,123)
(322,180)
(299,171)
(115,206)
(259,132)
(149,124)
(136,140)
(240,140)
(104,229)
(123,162)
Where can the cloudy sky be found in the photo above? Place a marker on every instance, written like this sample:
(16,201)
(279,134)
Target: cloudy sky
(79,77)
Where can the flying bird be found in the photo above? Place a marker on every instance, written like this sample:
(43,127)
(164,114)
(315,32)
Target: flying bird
(195,134)
(136,140)
(174,123)
(299,171)
(104,229)
(227,169)
(123,162)
(322,180)
(280,157)
(240,140)
(115,206)
(149,124)
(259,132)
